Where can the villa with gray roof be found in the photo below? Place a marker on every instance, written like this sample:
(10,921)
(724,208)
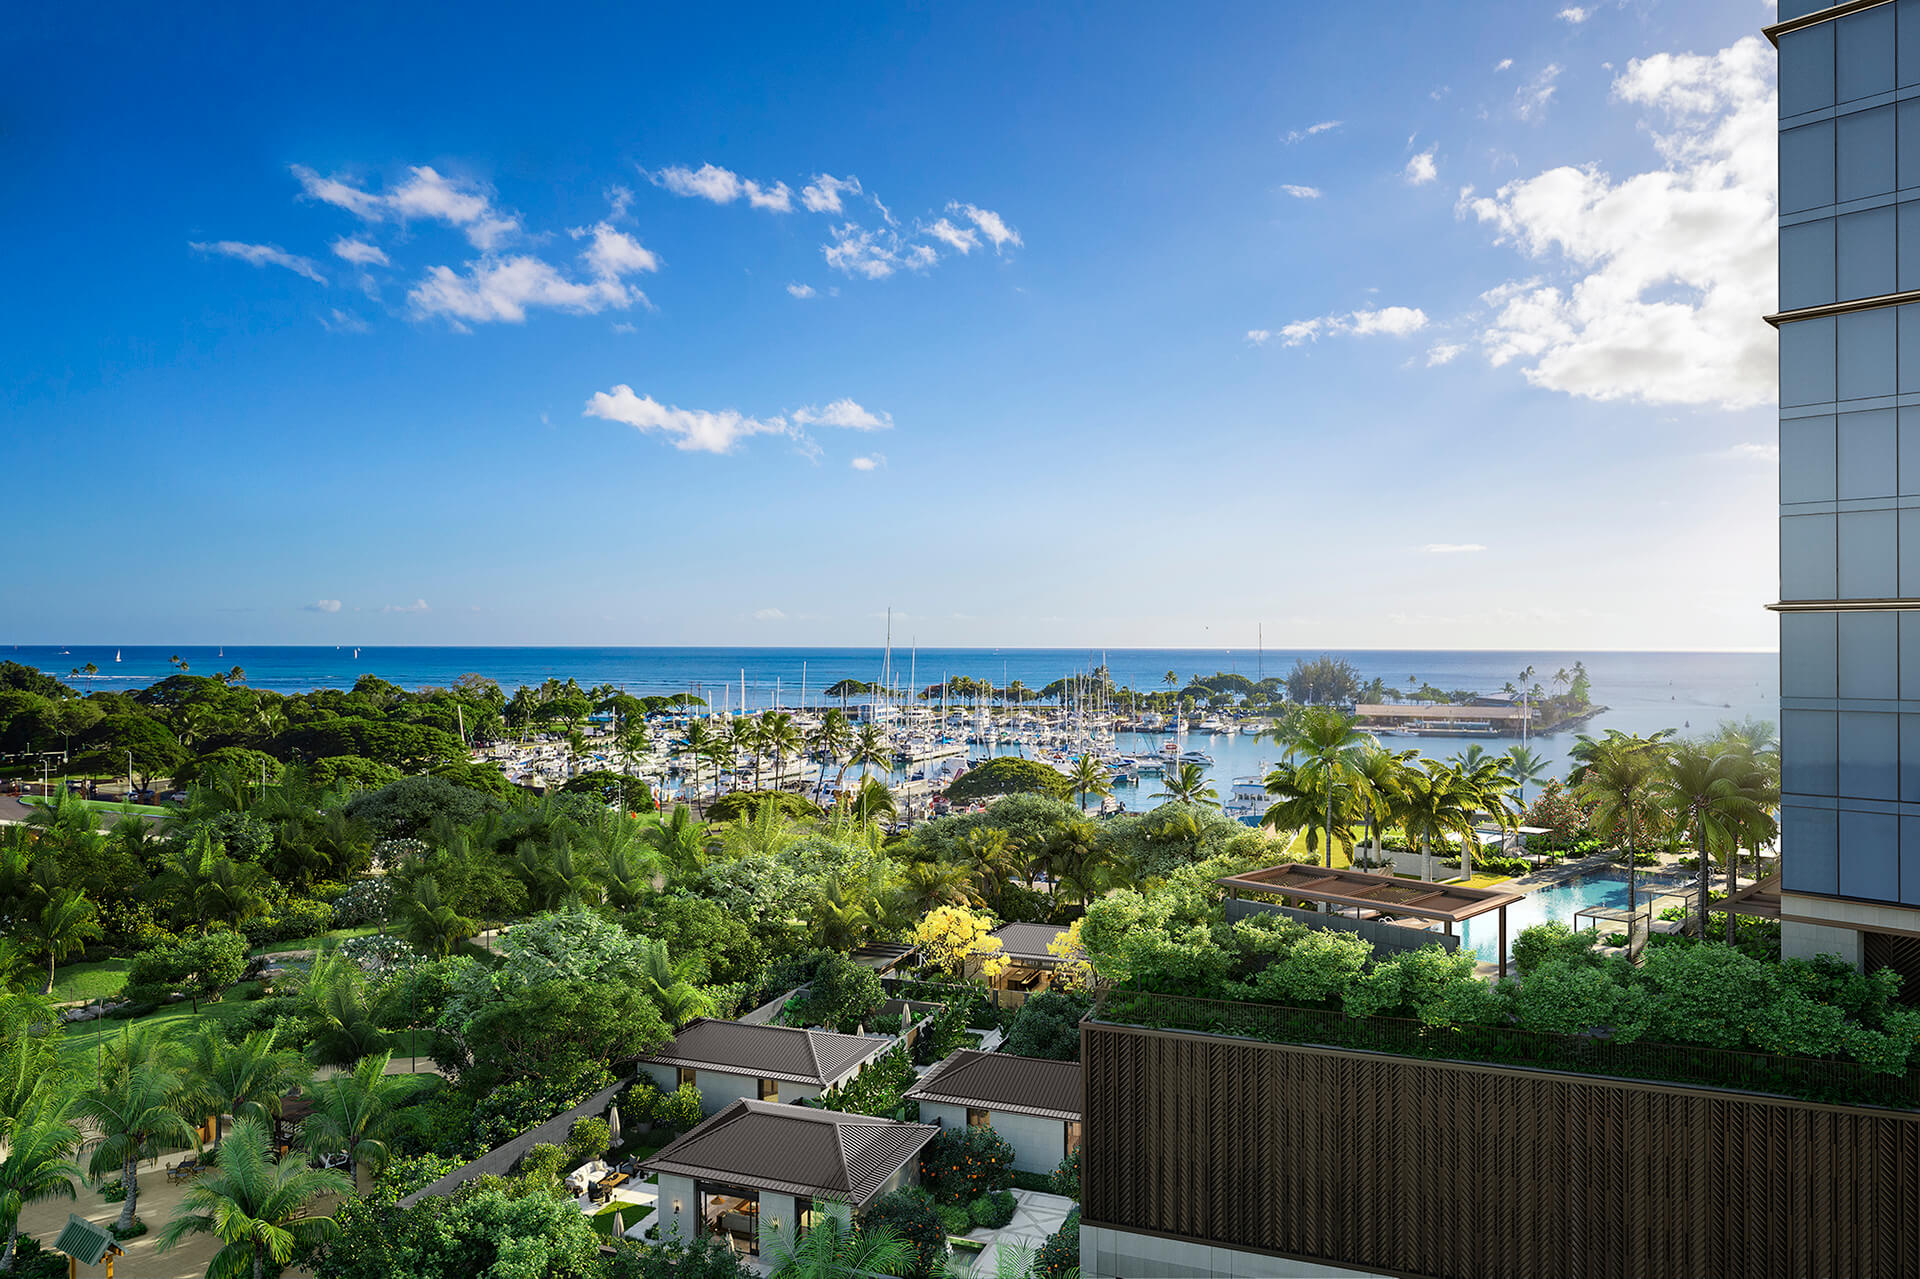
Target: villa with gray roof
(729,1060)
(1031,1102)
(757,1168)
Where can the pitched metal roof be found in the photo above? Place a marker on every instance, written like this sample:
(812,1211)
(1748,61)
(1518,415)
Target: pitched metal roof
(1028,942)
(1002,1081)
(795,1150)
(85,1241)
(767,1052)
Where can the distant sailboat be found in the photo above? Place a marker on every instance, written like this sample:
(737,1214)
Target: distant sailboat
(223,650)
(356,654)
(116,654)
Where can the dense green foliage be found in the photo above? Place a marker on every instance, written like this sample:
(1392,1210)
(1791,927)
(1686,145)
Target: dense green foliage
(1008,775)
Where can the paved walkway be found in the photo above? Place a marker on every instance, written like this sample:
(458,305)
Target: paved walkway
(1036,1215)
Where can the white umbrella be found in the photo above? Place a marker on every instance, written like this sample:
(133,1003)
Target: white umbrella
(613,1126)
(619,1226)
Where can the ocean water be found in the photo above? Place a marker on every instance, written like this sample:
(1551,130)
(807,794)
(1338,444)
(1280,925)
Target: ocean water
(1646,691)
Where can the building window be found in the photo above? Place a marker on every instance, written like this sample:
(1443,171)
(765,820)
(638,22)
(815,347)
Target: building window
(683,1077)
(769,1090)
(1073,1135)
(977,1118)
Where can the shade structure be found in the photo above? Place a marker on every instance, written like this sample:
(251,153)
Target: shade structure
(613,1126)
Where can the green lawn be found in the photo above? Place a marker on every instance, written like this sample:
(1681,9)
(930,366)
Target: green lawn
(110,806)
(94,980)
(81,1040)
(316,941)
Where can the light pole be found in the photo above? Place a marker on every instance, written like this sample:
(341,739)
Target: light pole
(129,773)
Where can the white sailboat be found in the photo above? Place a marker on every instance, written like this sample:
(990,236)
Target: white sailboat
(116,654)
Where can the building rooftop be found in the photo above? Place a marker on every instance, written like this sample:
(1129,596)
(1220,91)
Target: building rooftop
(1002,1081)
(795,1150)
(767,1052)
(1028,942)
(1388,894)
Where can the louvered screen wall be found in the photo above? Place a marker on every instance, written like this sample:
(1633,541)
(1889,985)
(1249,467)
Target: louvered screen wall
(1435,1169)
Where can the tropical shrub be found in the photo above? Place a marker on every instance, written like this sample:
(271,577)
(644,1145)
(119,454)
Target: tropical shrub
(951,936)
(1552,940)
(542,1162)
(878,1090)
(842,994)
(589,1138)
(909,1213)
(961,1164)
(1059,1256)
(993,1210)
(954,1219)
(1047,1025)
(1008,775)
(1065,1179)
(679,1110)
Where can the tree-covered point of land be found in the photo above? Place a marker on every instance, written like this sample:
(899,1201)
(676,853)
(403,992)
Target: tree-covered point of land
(1009,775)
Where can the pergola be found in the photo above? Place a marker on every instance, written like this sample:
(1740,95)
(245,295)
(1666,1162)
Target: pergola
(1384,894)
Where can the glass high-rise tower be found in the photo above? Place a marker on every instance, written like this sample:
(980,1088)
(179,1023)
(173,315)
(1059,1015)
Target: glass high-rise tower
(1849,324)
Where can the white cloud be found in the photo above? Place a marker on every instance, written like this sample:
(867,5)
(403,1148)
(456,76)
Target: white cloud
(990,223)
(871,463)
(1575,15)
(800,290)
(723,186)
(359,252)
(338,321)
(1756,452)
(1443,353)
(873,255)
(1301,135)
(1393,321)
(694,430)
(768,615)
(822,195)
(1451,548)
(1421,168)
(614,253)
(502,289)
(1671,265)
(418,606)
(843,413)
(621,326)
(322,606)
(261,255)
(1505,64)
(960,239)
(619,198)
(1300,192)
(1530,99)
(425,195)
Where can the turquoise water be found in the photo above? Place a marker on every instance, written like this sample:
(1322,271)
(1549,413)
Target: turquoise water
(1602,888)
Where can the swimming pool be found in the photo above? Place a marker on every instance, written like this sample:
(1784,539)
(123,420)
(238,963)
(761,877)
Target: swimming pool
(1557,902)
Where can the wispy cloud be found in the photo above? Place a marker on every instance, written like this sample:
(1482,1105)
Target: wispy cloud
(990,224)
(1443,353)
(1390,321)
(1530,99)
(959,239)
(1451,548)
(769,615)
(1574,15)
(418,606)
(872,462)
(1505,64)
(724,186)
(801,290)
(425,195)
(1756,452)
(1301,135)
(718,431)
(338,321)
(822,195)
(359,252)
(1421,168)
(495,290)
(261,255)
(1300,192)
(322,606)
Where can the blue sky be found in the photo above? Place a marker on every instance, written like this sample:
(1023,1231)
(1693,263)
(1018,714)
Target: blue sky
(1424,327)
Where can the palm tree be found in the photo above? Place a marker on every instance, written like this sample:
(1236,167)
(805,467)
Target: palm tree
(1621,783)
(357,1114)
(994,860)
(925,885)
(1439,808)
(833,1249)
(698,746)
(233,892)
(1525,767)
(870,750)
(432,925)
(255,1207)
(1704,788)
(1090,778)
(343,1009)
(244,1080)
(66,923)
(779,734)
(1188,784)
(1327,747)
(679,840)
(1383,787)
(1486,785)
(875,802)
(38,1164)
(135,1109)
(832,739)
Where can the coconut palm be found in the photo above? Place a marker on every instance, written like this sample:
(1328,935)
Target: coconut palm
(874,802)
(779,734)
(1326,747)
(993,860)
(232,892)
(345,1030)
(1188,784)
(769,832)
(1089,777)
(1440,807)
(679,840)
(1621,781)
(357,1114)
(1489,788)
(65,923)
(134,1107)
(678,1000)
(831,740)
(1525,767)
(38,1164)
(925,885)
(697,747)
(255,1207)
(870,751)
(241,1080)
(1704,788)
(1383,786)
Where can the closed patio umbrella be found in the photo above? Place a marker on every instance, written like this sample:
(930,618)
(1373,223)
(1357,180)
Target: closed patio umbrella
(613,1126)
(619,1226)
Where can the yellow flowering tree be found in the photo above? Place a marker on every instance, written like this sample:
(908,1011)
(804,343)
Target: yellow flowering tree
(949,936)
(1075,972)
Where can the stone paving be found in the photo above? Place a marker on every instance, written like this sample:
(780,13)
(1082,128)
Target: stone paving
(1036,1215)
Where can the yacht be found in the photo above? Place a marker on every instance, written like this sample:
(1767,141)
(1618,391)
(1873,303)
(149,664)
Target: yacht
(1248,801)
